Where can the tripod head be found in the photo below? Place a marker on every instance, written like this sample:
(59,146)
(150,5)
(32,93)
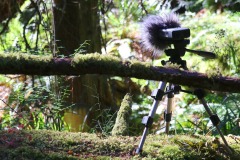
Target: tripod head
(178,38)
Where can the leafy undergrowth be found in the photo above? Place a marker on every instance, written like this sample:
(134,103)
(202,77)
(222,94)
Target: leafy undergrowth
(42,144)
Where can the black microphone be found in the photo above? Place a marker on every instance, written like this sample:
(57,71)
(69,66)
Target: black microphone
(152,33)
(159,32)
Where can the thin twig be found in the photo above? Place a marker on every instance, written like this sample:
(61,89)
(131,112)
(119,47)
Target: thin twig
(37,23)
(143,7)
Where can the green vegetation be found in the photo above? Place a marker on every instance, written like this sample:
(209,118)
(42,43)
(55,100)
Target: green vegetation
(44,144)
(121,126)
(33,107)
(209,32)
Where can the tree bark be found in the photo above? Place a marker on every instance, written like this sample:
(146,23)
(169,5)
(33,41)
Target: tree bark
(8,8)
(112,66)
(77,27)
(77,22)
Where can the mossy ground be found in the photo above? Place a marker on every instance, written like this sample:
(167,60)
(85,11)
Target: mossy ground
(42,144)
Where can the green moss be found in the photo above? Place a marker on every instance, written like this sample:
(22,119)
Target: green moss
(19,61)
(80,60)
(122,121)
(66,145)
(104,62)
(30,153)
(26,57)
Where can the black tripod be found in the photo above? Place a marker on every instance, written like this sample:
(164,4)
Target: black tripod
(170,90)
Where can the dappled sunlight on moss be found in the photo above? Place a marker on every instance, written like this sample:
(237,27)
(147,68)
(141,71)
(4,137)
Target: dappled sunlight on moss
(45,144)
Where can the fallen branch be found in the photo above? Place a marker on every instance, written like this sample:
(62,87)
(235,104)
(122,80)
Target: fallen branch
(112,66)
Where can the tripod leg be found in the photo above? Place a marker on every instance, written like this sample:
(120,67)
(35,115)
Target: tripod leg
(213,117)
(168,112)
(148,120)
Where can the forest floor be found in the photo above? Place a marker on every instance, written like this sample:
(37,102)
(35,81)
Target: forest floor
(43,144)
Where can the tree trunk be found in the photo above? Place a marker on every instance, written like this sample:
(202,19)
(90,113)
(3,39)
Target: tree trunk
(8,8)
(76,23)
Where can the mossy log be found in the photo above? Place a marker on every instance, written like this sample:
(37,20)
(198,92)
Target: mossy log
(105,64)
(42,144)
